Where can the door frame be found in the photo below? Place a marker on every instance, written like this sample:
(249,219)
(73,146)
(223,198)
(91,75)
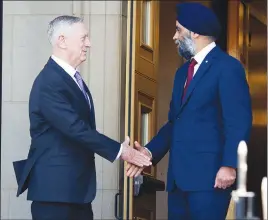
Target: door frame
(129,104)
(1,68)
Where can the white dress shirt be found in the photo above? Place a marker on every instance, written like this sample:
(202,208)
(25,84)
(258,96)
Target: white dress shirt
(71,71)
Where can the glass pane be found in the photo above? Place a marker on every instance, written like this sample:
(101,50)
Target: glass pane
(144,128)
(146,22)
(145,125)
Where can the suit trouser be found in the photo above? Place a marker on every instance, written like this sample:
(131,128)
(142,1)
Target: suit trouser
(198,205)
(61,211)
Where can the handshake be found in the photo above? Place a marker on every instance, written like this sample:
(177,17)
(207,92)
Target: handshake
(138,158)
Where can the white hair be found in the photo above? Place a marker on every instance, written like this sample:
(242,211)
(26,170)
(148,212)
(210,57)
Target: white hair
(59,25)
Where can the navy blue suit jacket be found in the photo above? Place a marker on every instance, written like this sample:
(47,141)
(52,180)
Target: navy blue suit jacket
(203,132)
(60,166)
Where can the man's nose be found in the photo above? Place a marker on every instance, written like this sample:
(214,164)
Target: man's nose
(88,44)
(174,37)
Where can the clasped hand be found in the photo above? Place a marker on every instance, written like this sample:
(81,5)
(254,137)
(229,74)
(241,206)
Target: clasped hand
(133,168)
(135,157)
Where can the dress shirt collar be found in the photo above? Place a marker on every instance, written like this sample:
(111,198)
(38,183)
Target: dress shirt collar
(68,68)
(200,56)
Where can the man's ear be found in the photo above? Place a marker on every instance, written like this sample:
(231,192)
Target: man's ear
(194,35)
(61,42)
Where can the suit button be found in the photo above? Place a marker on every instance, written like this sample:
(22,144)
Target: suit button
(178,118)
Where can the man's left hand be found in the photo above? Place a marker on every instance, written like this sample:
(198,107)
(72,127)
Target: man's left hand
(225,177)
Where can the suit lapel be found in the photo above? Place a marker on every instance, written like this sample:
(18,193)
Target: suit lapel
(202,70)
(68,79)
(79,93)
(179,84)
(92,110)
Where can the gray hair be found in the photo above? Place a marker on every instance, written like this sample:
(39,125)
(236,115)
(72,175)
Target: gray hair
(58,25)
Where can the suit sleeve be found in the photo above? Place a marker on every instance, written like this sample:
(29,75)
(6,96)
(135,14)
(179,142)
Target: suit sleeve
(160,144)
(236,111)
(59,113)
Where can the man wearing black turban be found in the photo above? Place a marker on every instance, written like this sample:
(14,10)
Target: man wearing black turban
(210,113)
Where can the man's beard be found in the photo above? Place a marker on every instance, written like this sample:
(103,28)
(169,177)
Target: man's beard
(186,47)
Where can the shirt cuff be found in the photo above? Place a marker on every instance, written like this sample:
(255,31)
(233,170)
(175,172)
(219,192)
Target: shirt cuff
(148,151)
(119,153)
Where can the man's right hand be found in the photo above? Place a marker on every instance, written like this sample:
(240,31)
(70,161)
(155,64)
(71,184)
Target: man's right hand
(133,156)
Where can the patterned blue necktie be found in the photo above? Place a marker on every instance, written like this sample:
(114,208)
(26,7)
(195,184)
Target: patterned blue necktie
(79,79)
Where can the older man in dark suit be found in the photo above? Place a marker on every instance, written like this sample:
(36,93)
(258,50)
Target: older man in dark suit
(60,169)
(210,113)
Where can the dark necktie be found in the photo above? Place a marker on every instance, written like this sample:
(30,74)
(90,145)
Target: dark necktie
(79,80)
(189,76)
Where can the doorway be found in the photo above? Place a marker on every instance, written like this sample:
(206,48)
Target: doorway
(257,77)
(152,61)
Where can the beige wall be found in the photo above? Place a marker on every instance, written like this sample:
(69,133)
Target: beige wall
(25,51)
(169,61)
